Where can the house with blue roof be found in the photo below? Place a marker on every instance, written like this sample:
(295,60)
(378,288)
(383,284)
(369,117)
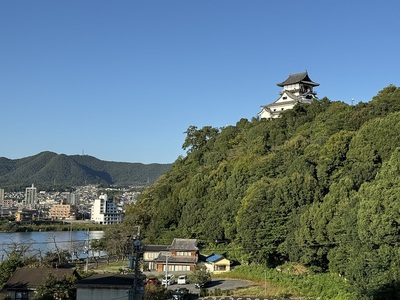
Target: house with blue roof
(217,263)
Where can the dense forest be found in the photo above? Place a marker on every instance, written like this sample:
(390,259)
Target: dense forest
(319,186)
(48,170)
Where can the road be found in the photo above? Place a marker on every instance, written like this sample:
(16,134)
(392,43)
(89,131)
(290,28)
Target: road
(216,283)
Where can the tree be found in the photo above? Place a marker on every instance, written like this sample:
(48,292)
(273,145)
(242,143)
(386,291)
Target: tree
(333,157)
(196,139)
(56,289)
(16,257)
(97,245)
(369,257)
(56,258)
(116,233)
(155,292)
(200,275)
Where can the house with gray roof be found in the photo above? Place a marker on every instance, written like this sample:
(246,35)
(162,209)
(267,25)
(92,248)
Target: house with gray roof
(25,281)
(150,255)
(108,286)
(297,88)
(181,256)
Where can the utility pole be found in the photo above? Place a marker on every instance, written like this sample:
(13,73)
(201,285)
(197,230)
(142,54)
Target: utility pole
(87,252)
(167,256)
(136,293)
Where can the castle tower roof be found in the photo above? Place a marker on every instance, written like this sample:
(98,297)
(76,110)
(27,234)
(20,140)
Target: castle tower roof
(298,78)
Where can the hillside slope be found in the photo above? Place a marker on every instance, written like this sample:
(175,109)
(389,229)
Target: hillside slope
(48,168)
(319,186)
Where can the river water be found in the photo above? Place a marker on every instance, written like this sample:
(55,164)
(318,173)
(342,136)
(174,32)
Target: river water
(38,243)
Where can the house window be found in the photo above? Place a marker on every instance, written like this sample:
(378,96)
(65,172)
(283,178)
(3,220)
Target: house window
(174,268)
(220,268)
(183,253)
(152,255)
(21,296)
(181,268)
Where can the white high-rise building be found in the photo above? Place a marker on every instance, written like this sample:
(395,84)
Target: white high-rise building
(104,211)
(31,196)
(1,197)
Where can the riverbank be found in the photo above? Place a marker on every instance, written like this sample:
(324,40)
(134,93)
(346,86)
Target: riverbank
(47,225)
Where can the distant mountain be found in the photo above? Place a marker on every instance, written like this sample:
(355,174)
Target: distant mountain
(49,168)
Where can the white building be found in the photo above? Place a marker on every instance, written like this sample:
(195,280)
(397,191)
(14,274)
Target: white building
(298,88)
(104,211)
(31,196)
(1,197)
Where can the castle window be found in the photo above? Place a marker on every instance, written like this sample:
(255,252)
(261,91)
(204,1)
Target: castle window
(284,98)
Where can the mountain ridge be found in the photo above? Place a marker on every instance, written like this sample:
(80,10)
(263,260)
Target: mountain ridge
(49,168)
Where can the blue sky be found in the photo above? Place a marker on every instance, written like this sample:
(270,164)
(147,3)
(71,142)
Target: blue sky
(123,80)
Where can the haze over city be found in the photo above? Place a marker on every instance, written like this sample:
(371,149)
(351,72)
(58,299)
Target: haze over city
(123,80)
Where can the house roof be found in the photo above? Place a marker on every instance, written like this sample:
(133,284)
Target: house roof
(177,259)
(30,278)
(214,257)
(107,281)
(297,78)
(184,244)
(155,248)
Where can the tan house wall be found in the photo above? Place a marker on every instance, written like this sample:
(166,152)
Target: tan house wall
(220,266)
(60,211)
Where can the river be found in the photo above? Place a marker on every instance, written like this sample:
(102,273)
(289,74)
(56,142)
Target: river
(38,243)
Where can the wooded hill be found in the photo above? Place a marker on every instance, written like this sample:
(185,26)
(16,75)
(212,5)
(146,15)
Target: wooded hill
(319,186)
(49,169)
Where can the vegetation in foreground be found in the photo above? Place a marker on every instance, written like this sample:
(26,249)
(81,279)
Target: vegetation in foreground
(290,280)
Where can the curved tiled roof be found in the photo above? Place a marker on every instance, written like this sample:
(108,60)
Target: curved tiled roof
(296,78)
(184,244)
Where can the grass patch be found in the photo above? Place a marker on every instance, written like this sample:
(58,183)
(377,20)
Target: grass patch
(113,267)
(291,280)
(260,291)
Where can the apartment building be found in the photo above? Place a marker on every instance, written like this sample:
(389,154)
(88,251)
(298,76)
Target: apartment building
(62,212)
(31,196)
(104,211)
(1,197)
